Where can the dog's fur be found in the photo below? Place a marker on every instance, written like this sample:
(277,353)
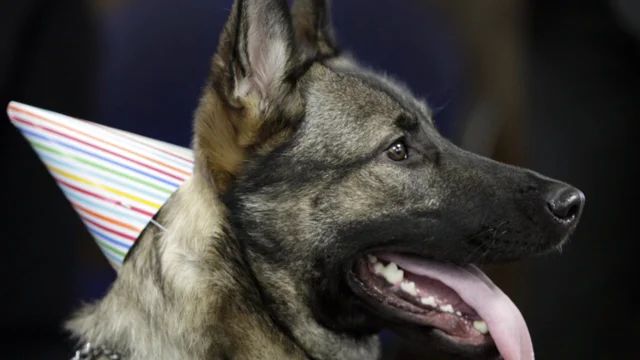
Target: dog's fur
(291,183)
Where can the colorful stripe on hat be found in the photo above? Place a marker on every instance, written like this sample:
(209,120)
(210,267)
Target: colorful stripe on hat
(116,180)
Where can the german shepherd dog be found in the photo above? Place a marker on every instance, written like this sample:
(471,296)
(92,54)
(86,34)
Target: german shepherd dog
(324,207)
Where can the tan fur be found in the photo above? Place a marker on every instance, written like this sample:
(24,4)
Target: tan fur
(199,305)
(225,137)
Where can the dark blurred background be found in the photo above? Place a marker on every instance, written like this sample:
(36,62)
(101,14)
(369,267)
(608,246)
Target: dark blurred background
(549,84)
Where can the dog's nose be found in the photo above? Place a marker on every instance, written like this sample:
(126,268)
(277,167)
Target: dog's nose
(565,204)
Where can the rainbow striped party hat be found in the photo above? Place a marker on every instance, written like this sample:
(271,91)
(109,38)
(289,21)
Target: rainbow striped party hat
(116,181)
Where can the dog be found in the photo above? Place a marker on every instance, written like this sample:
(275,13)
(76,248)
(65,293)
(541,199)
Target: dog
(324,207)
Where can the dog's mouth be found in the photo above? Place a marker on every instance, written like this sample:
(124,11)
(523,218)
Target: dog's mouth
(458,305)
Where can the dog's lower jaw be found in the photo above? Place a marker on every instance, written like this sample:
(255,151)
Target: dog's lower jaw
(186,294)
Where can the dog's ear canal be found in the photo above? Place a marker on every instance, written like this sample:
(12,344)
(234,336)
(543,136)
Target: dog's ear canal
(313,28)
(255,52)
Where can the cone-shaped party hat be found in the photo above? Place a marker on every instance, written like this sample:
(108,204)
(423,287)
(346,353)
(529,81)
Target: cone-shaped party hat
(116,181)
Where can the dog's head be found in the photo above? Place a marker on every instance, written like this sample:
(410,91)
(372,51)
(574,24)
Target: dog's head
(348,203)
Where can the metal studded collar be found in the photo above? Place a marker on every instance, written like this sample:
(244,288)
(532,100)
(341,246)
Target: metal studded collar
(89,352)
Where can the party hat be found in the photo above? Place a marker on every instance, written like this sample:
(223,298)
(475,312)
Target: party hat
(116,180)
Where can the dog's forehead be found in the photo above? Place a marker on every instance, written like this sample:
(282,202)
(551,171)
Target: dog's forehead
(350,111)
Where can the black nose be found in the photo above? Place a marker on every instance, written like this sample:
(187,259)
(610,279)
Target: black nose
(565,204)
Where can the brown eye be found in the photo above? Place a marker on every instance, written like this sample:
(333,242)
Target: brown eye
(398,151)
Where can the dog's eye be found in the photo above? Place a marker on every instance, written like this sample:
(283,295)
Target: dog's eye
(398,151)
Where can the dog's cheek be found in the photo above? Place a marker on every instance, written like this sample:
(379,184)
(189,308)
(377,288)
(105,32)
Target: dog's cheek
(334,305)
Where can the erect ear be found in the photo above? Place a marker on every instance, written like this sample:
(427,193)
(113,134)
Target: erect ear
(313,29)
(252,100)
(256,52)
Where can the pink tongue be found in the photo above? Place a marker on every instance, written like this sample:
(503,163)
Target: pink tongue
(505,322)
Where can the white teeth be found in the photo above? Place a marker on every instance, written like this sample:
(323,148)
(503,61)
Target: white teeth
(394,275)
(431,301)
(481,326)
(378,268)
(447,308)
(391,273)
(409,287)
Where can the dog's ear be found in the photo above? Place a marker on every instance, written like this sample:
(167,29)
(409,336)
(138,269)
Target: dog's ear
(251,99)
(313,29)
(255,52)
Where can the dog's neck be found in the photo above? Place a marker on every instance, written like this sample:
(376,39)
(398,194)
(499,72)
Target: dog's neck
(188,292)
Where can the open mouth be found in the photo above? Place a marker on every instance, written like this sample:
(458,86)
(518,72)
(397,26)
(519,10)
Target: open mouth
(458,304)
